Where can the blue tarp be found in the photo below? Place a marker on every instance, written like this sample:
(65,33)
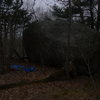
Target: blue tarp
(23,68)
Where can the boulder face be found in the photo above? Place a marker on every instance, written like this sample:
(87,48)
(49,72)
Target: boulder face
(45,42)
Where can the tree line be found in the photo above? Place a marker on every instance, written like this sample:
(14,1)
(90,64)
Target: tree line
(13,19)
(84,11)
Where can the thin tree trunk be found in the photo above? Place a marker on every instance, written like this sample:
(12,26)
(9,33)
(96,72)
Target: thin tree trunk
(11,42)
(98,17)
(91,14)
(69,31)
(1,43)
(5,39)
(67,62)
(81,11)
(1,49)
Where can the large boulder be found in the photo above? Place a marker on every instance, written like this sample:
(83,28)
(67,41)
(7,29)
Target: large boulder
(46,42)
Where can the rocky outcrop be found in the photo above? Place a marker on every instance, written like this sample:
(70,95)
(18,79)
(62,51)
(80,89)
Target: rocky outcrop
(46,42)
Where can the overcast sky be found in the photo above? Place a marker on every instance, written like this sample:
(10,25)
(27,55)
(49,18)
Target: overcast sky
(42,4)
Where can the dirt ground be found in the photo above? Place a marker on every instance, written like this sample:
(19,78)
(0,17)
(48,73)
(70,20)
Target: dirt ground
(81,88)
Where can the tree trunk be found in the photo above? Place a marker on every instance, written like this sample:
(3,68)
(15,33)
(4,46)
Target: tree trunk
(1,43)
(81,11)
(98,17)
(68,53)
(11,42)
(91,14)
(1,49)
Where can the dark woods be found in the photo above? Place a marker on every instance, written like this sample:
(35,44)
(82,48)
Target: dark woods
(83,11)
(50,53)
(45,41)
(13,19)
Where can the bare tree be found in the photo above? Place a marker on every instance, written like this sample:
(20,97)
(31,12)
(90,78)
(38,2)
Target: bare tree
(98,17)
(91,7)
(68,63)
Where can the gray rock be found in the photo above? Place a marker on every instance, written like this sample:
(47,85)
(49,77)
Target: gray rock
(46,42)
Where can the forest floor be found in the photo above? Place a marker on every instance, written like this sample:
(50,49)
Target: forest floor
(80,88)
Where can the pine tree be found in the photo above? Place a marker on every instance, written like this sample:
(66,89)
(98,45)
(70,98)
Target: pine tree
(12,18)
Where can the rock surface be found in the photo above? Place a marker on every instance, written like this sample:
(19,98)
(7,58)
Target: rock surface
(45,42)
